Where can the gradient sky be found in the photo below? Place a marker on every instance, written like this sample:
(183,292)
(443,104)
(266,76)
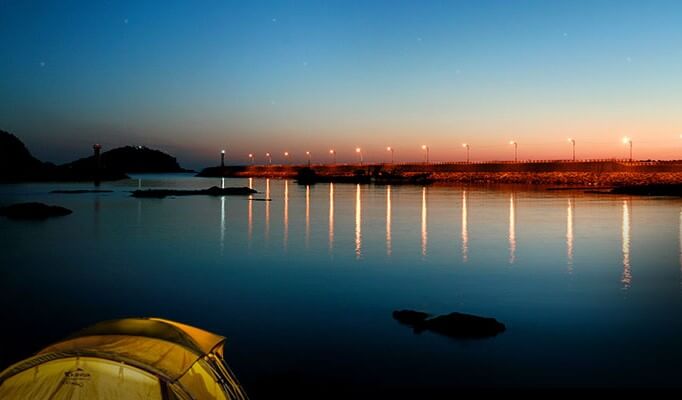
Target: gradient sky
(193,77)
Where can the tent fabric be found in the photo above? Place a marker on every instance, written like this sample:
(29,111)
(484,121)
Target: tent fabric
(194,339)
(201,383)
(159,356)
(153,358)
(82,378)
(205,341)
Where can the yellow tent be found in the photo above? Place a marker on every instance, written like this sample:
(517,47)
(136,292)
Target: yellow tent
(135,358)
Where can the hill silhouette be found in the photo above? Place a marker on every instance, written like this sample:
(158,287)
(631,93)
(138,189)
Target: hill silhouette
(17,164)
(132,159)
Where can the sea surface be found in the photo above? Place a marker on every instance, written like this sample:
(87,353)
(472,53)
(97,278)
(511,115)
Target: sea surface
(303,286)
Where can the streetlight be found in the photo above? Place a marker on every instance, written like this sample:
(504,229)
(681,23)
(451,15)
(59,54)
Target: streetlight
(333,153)
(286,156)
(466,146)
(251,158)
(222,158)
(425,147)
(516,150)
(626,141)
(307,153)
(392,150)
(572,141)
(359,151)
(269,157)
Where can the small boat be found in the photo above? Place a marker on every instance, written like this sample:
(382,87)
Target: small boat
(133,358)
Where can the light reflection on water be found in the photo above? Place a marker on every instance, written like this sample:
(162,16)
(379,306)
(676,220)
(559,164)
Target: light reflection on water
(345,256)
(627,273)
(331,217)
(222,225)
(465,228)
(358,223)
(286,215)
(267,209)
(250,211)
(389,246)
(307,216)
(569,235)
(512,229)
(425,229)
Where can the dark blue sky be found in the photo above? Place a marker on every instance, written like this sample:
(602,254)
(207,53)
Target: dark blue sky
(194,77)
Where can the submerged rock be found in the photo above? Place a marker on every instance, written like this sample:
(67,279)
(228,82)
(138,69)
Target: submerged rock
(212,191)
(33,211)
(80,191)
(457,325)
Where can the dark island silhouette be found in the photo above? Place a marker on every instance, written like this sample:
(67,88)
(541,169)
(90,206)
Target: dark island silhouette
(33,211)
(455,325)
(17,164)
(132,159)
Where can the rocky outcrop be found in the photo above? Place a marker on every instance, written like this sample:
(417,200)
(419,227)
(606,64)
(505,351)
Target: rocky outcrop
(33,211)
(213,191)
(80,191)
(456,325)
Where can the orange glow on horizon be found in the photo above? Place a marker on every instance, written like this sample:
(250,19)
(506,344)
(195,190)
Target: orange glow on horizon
(540,147)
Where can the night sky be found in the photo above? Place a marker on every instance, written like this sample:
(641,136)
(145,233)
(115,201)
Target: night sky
(192,78)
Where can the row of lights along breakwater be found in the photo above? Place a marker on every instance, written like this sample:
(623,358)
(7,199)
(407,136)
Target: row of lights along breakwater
(627,141)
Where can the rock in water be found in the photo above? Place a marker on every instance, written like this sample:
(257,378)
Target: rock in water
(410,317)
(33,211)
(464,325)
(79,191)
(456,325)
(212,191)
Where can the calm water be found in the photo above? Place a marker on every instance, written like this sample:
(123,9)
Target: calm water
(589,286)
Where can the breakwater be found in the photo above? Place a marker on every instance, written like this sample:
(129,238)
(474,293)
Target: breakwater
(597,173)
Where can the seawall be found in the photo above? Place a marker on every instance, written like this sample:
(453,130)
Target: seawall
(598,173)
